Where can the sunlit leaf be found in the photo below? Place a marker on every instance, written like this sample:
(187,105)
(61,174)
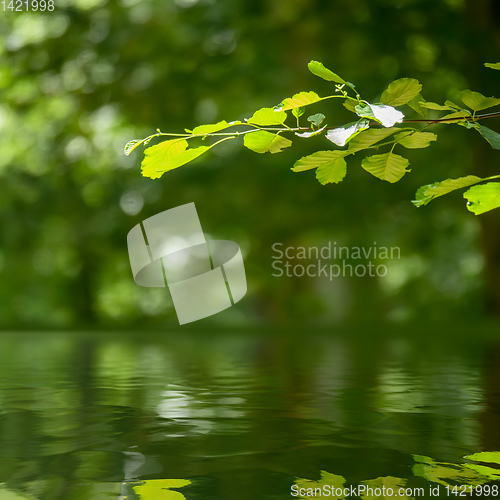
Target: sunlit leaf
(298,112)
(316,119)
(334,171)
(452,105)
(262,142)
(489,472)
(131,145)
(417,104)
(401,91)
(317,68)
(318,159)
(477,101)
(386,484)
(493,65)
(389,167)
(212,127)
(268,116)
(490,135)
(415,140)
(157,158)
(426,194)
(369,137)
(436,107)
(299,100)
(481,199)
(386,115)
(342,135)
(350,105)
(455,117)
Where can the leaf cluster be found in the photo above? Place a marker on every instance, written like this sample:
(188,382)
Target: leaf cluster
(379,128)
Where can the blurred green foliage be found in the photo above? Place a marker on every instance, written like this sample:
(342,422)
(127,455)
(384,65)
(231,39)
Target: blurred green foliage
(77,83)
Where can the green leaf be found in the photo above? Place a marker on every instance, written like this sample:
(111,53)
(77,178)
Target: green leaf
(477,101)
(451,104)
(481,199)
(389,167)
(350,105)
(386,115)
(211,128)
(332,172)
(436,107)
(342,135)
(299,100)
(318,159)
(493,65)
(417,104)
(262,141)
(168,155)
(490,135)
(401,91)
(298,112)
(316,119)
(268,116)
(317,68)
(369,137)
(415,140)
(385,485)
(131,145)
(455,117)
(426,194)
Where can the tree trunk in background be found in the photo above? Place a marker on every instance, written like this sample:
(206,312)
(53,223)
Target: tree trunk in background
(483,23)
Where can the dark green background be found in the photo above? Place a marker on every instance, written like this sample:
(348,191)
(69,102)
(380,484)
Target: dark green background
(79,82)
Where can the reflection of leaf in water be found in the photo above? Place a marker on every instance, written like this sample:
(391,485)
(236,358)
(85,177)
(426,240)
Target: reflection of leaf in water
(160,489)
(442,472)
(332,481)
(492,457)
(389,483)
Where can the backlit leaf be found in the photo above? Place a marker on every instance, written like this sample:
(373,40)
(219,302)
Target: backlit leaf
(268,116)
(389,167)
(317,68)
(157,157)
(131,145)
(369,137)
(415,140)
(332,172)
(401,91)
(318,159)
(160,489)
(477,101)
(310,133)
(426,194)
(436,107)
(262,142)
(211,128)
(299,100)
(481,199)
(417,104)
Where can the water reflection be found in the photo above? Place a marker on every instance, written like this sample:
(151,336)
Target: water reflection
(91,416)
